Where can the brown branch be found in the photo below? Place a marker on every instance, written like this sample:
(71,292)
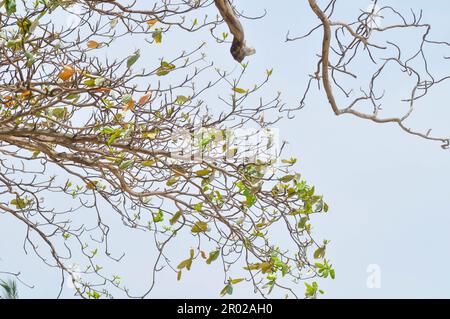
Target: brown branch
(239,50)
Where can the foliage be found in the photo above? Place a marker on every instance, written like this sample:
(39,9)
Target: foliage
(9,289)
(102,134)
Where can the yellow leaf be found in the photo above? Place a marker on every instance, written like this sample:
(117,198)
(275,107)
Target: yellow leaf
(239,90)
(151,134)
(66,73)
(236,281)
(265,267)
(91,185)
(148,163)
(26,93)
(203,172)
(91,44)
(128,106)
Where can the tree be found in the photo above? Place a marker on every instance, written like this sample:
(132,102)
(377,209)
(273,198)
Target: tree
(114,137)
(141,145)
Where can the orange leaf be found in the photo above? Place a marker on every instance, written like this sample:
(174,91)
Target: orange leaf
(128,106)
(102,90)
(26,93)
(145,98)
(91,44)
(152,22)
(66,73)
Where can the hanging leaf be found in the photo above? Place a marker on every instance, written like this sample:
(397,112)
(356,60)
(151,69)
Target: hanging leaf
(145,98)
(287,178)
(213,256)
(172,181)
(91,44)
(20,203)
(199,227)
(133,59)
(203,172)
(99,81)
(66,73)
(227,290)
(185,264)
(152,22)
(151,134)
(240,91)
(128,106)
(181,99)
(148,163)
(30,58)
(10,6)
(157,36)
(113,23)
(165,68)
(91,185)
(319,253)
(89,83)
(158,217)
(175,217)
(126,164)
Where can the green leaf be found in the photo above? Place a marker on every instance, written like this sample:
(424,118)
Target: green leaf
(198,207)
(175,217)
(10,6)
(213,256)
(199,227)
(181,99)
(126,164)
(133,59)
(157,36)
(148,163)
(20,203)
(228,289)
(59,112)
(185,264)
(165,68)
(107,130)
(332,274)
(158,217)
(89,83)
(172,181)
(236,281)
(30,58)
(319,253)
(113,23)
(126,98)
(287,178)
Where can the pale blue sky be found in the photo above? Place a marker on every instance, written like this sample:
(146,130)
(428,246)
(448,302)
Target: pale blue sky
(388,192)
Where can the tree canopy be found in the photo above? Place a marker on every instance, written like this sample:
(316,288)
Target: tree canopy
(132,143)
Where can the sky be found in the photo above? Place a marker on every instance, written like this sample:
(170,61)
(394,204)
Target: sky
(388,191)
